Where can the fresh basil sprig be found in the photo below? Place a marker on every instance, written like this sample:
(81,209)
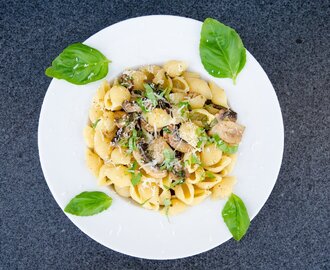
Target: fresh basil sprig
(88,203)
(221,50)
(79,64)
(236,217)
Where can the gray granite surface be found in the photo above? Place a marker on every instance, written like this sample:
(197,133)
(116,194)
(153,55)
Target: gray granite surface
(290,39)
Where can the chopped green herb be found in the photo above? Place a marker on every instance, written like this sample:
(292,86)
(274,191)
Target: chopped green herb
(150,94)
(209,175)
(133,167)
(202,137)
(136,178)
(95,123)
(167,204)
(140,102)
(132,141)
(166,93)
(166,130)
(183,107)
(169,160)
(175,183)
(194,159)
(223,146)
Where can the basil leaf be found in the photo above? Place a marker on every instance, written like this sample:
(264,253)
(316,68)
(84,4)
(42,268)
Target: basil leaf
(79,64)
(221,50)
(88,203)
(236,217)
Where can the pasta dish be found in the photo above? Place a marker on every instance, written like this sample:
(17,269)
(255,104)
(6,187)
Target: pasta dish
(163,137)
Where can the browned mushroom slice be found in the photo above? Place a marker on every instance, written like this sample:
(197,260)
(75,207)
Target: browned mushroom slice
(226,114)
(149,168)
(228,131)
(156,149)
(175,141)
(131,106)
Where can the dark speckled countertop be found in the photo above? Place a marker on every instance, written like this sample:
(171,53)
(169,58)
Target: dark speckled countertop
(290,39)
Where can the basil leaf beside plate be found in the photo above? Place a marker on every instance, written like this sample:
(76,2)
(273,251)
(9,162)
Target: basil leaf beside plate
(236,217)
(221,50)
(79,64)
(88,203)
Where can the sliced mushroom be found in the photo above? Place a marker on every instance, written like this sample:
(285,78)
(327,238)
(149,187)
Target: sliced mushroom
(228,131)
(221,113)
(156,149)
(175,141)
(226,114)
(149,168)
(131,106)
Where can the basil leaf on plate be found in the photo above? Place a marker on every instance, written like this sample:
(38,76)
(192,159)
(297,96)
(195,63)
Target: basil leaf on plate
(221,50)
(79,64)
(236,217)
(88,203)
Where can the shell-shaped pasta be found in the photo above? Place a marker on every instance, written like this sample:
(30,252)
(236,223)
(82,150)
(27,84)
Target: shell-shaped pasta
(150,71)
(89,136)
(175,68)
(102,145)
(188,74)
(189,165)
(218,167)
(218,95)
(98,99)
(210,155)
(123,191)
(200,195)
(95,113)
(179,85)
(197,101)
(93,161)
(115,97)
(162,79)
(175,98)
(185,193)
(119,176)
(104,174)
(227,170)
(209,182)
(223,189)
(158,118)
(120,156)
(188,132)
(146,193)
(138,80)
(199,86)
(176,207)
(197,176)
(108,123)
(198,113)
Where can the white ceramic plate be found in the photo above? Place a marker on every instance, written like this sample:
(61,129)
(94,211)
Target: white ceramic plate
(128,228)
